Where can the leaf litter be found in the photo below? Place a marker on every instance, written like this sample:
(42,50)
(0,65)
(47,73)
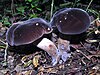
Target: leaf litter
(85,60)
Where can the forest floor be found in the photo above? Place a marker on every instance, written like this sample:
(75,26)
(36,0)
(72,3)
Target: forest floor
(85,60)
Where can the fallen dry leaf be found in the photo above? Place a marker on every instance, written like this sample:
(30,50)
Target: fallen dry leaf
(91,41)
(28,72)
(95,52)
(36,60)
(27,63)
(97,22)
(97,32)
(1,24)
(51,70)
(90,56)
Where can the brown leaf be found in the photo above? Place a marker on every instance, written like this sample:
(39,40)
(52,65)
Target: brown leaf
(26,58)
(90,56)
(95,52)
(28,72)
(97,32)
(27,63)
(1,24)
(97,22)
(36,60)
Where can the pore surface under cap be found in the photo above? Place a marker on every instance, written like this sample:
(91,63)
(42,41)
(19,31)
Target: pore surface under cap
(26,32)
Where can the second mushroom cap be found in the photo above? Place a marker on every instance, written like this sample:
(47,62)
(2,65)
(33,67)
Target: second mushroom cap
(71,20)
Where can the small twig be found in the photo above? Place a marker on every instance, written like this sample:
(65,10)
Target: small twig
(5,56)
(89,5)
(83,69)
(3,42)
(81,53)
(12,7)
(84,47)
(74,3)
(52,4)
(94,20)
(83,61)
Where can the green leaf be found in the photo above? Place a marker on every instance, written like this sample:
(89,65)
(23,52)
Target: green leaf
(93,12)
(2,47)
(32,6)
(9,11)
(21,9)
(6,21)
(39,9)
(33,15)
(29,0)
(66,4)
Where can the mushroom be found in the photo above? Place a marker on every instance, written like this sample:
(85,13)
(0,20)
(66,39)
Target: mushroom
(50,48)
(71,21)
(56,53)
(28,31)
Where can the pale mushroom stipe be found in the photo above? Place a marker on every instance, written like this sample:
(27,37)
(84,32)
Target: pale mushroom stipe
(56,53)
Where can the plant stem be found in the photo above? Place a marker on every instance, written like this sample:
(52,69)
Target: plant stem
(2,42)
(89,5)
(12,8)
(5,56)
(52,4)
(74,3)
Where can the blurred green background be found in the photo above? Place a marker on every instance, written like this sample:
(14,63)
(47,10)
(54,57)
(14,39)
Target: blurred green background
(18,10)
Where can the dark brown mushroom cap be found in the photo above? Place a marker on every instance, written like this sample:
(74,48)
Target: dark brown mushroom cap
(71,20)
(27,31)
